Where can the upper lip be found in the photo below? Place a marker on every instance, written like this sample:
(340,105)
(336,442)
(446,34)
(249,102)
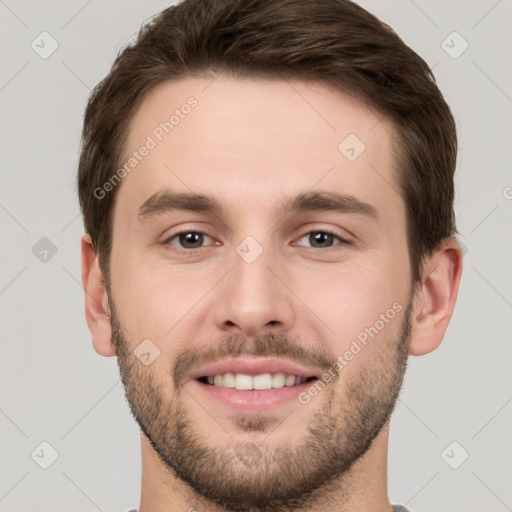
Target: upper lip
(255,366)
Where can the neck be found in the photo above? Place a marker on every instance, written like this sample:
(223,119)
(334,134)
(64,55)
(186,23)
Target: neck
(363,487)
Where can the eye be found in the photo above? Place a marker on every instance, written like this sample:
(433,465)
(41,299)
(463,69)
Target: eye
(320,239)
(187,240)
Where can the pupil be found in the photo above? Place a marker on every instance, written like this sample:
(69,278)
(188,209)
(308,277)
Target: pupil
(320,238)
(194,239)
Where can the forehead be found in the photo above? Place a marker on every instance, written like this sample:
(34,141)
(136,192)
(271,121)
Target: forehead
(249,142)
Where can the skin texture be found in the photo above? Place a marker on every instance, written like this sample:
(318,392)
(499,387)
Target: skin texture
(252,144)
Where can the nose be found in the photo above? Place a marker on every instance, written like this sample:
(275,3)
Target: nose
(253,299)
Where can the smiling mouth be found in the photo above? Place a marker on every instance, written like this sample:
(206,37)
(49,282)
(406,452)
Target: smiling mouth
(245,382)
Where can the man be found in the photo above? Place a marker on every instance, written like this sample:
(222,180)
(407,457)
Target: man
(267,192)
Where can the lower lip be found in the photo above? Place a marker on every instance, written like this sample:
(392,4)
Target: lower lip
(255,401)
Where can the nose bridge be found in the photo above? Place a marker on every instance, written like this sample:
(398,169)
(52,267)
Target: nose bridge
(252,298)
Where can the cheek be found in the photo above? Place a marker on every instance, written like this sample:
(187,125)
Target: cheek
(352,293)
(137,295)
(361,305)
(155,300)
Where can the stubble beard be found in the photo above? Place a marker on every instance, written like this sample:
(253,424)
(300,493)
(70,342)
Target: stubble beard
(256,476)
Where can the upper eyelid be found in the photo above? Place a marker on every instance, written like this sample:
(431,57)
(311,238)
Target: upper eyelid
(327,231)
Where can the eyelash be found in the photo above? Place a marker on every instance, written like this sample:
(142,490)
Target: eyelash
(167,242)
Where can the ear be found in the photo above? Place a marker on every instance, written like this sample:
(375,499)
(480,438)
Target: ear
(435,298)
(96,300)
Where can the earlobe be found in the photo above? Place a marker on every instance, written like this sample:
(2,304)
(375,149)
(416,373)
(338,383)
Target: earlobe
(97,310)
(434,301)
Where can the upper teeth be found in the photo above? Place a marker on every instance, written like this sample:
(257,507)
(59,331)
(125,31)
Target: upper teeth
(245,382)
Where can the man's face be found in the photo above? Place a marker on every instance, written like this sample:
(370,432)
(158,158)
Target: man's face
(253,295)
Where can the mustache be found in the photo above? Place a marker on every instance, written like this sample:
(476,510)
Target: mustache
(269,345)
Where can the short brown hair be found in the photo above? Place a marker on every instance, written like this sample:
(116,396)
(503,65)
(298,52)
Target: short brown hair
(330,41)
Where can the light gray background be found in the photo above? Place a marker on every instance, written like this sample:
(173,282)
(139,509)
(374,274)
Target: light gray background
(55,388)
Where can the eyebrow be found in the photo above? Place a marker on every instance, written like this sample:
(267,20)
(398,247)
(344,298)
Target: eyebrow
(167,201)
